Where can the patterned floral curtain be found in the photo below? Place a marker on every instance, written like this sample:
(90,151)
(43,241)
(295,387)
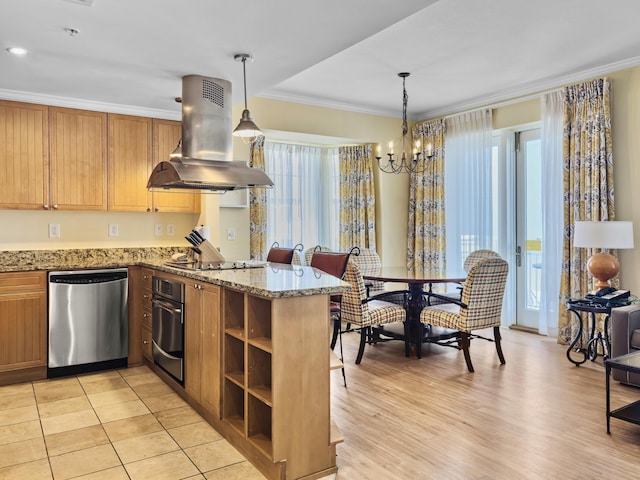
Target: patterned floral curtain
(257,207)
(588,185)
(357,198)
(426,242)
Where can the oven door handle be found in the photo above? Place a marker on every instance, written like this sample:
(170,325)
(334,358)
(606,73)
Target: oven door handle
(166,306)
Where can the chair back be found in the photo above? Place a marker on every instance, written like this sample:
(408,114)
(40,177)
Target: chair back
(308,253)
(483,293)
(352,309)
(369,262)
(476,255)
(280,255)
(329,262)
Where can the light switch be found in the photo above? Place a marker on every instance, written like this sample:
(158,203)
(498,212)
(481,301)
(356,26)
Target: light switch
(231,233)
(158,229)
(113,230)
(170,229)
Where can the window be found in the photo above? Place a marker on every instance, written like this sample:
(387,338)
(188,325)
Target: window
(304,204)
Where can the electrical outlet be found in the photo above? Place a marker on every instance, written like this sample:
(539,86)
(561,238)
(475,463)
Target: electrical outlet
(113,230)
(170,229)
(54,230)
(231,233)
(158,230)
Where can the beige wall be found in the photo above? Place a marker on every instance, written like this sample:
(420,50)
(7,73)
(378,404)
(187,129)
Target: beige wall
(28,229)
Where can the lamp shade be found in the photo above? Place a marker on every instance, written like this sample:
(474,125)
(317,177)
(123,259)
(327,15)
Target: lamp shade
(603,235)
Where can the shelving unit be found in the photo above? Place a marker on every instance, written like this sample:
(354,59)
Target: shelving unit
(276,384)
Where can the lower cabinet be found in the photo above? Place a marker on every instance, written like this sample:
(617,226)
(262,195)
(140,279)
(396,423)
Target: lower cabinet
(23,326)
(202,344)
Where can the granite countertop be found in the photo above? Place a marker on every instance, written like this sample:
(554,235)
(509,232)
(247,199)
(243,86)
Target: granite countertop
(274,280)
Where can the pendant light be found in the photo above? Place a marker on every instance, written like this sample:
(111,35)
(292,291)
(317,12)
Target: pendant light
(246,129)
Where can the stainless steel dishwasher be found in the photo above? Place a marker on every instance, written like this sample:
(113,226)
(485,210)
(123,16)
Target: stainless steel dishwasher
(88,321)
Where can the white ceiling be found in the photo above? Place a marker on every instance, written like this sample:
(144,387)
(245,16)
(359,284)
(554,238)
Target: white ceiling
(336,53)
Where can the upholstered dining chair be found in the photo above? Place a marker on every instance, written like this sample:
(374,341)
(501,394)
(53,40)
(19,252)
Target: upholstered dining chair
(479,307)
(469,262)
(279,254)
(364,312)
(308,253)
(369,262)
(333,263)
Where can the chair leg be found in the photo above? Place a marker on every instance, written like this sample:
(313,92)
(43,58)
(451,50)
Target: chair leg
(465,341)
(497,337)
(364,332)
(419,337)
(336,331)
(344,376)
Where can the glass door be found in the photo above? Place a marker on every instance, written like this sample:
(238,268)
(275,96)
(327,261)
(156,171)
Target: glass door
(528,227)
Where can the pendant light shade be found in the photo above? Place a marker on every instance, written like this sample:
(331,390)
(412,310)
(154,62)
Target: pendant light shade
(247,130)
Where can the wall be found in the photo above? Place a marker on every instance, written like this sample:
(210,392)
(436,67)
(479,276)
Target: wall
(392,190)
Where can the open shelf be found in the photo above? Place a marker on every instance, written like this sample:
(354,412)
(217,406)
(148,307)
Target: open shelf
(263,343)
(259,425)
(259,374)
(258,318)
(233,411)
(234,359)
(233,310)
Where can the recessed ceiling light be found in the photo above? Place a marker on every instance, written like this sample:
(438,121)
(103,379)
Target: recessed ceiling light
(18,51)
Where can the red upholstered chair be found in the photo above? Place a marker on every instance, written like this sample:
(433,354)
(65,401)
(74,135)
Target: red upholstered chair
(334,264)
(279,254)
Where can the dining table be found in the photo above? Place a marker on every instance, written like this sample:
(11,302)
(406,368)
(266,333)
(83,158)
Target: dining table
(418,284)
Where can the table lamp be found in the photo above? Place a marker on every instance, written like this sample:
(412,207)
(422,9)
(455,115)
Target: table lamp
(605,235)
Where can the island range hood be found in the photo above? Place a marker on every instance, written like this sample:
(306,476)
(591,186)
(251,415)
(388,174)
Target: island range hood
(207,149)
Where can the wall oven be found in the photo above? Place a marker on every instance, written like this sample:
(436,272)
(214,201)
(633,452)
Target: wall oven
(168,326)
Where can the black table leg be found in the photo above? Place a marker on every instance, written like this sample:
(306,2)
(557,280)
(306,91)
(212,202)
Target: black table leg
(575,340)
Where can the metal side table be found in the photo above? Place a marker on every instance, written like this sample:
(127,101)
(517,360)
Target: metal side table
(627,363)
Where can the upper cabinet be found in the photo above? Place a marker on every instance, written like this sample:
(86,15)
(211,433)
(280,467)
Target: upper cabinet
(24,159)
(166,135)
(78,146)
(67,159)
(129,163)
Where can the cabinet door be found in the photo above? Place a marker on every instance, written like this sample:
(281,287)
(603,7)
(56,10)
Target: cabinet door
(24,159)
(129,162)
(211,364)
(23,320)
(78,159)
(193,309)
(166,135)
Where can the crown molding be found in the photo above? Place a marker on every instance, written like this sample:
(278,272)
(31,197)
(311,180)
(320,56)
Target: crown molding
(30,97)
(530,90)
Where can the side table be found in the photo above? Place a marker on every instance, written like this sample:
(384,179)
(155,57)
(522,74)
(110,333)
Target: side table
(628,363)
(577,307)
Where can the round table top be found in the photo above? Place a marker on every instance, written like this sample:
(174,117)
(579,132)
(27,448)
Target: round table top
(403,275)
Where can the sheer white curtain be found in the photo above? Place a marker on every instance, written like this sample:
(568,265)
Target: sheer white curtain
(552,211)
(469,179)
(303,205)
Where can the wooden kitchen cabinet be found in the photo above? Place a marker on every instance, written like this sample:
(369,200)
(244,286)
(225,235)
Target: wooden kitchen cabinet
(78,156)
(24,156)
(166,135)
(202,344)
(23,326)
(129,161)
(140,309)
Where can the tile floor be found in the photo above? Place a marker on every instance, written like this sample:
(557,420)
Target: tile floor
(124,424)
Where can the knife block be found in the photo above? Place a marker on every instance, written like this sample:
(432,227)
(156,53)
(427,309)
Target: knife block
(210,254)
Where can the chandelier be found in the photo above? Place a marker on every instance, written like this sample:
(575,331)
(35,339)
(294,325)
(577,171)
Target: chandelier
(415,163)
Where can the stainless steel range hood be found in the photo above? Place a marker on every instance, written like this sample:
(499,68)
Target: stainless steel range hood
(207,149)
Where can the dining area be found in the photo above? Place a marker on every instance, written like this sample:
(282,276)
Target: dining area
(407,305)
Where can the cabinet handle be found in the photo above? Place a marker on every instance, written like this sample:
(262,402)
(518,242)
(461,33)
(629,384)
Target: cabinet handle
(145,296)
(145,315)
(145,342)
(146,277)
(55,207)
(45,206)
(157,209)
(148,209)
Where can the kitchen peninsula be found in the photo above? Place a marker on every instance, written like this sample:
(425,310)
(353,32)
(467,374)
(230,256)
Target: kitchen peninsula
(257,361)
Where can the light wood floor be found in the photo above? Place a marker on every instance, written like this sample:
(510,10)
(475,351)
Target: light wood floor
(537,417)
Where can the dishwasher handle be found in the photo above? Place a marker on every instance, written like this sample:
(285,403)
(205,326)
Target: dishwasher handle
(87,277)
